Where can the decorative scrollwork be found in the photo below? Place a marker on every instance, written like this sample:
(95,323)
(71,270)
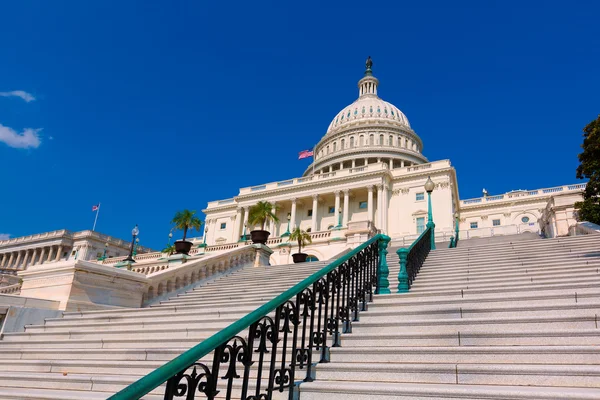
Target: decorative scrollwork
(185,385)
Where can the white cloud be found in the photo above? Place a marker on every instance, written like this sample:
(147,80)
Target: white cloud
(4,236)
(27,139)
(19,93)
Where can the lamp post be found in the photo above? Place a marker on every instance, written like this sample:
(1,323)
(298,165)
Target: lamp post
(287,232)
(204,238)
(137,243)
(429,186)
(243,238)
(134,232)
(170,237)
(339,225)
(104,254)
(456,218)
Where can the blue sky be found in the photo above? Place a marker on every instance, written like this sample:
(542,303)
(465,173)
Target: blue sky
(151,107)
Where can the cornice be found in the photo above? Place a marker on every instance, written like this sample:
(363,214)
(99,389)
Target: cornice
(505,203)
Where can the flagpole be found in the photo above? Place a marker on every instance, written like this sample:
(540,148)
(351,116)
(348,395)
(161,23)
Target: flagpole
(96,219)
(314,148)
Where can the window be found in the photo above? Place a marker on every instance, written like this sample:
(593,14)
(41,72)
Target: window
(361,140)
(362,204)
(309,230)
(391,141)
(309,213)
(351,141)
(223,225)
(496,222)
(474,225)
(330,227)
(381,140)
(311,258)
(343,142)
(332,210)
(334,146)
(420,225)
(371,140)
(420,196)
(525,220)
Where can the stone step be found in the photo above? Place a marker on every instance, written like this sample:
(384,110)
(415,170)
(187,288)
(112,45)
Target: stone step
(565,375)
(457,266)
(161,354)
(526,354)
(467,336)
(366,390)
(48,394)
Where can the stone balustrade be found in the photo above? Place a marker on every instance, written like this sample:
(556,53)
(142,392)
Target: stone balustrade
(524,193)
(12,289)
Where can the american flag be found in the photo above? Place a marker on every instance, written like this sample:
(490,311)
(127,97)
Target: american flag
(96,207)
(305,154)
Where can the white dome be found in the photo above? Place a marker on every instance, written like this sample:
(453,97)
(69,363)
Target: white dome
(367,107)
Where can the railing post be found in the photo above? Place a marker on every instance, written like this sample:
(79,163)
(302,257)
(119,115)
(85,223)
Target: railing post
(431,226)
(451,246)
(383,284)
(403,274)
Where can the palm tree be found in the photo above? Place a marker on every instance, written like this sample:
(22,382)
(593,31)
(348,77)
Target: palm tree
(302,237)
(185,220)
(169,250)
(262,212)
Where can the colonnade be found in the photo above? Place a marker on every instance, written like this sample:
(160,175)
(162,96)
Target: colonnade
(341,197)
(21,259)
(392,163)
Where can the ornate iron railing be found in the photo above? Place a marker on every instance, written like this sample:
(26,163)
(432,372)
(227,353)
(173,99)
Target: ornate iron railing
(283,340)
(411,260)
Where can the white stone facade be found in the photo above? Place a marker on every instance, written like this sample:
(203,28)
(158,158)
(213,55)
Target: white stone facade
(369,167)
(22,252)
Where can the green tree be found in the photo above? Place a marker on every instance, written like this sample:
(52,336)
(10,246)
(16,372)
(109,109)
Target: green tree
(302,237)
(589,168)
(262,212)
(169,249)
(185,220)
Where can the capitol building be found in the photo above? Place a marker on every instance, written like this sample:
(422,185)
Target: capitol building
(367,176)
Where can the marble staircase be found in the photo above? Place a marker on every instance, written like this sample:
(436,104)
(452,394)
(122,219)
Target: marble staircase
(498,321)
(94,354)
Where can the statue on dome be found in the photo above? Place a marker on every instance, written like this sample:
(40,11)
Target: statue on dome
(369,64)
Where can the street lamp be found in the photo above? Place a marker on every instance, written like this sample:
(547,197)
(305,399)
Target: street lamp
(170,237)
(287,233)
(204,239)
(137,243)
(339,225)
(429,186)
(456,218)
(104,254)
(134,232)
(243,238)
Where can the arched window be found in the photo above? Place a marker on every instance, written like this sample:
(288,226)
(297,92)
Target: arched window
(330,227)
(371,140)
(381,140)
(391,141)
(351,141)
(342,144)
(334,146)
(311,258)
(309,230)
(405,143)
(361,140)
(327,149)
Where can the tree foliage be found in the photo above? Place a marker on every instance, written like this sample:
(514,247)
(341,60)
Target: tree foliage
(589,168)
(169,249)
(186,220)
(302,237)
(262,212)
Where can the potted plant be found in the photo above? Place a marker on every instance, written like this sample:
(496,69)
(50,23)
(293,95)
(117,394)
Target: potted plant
(185,220)
(259,214)
(303,238)
(169,250)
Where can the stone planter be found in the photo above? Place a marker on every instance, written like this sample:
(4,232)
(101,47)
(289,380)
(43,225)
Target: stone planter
(299,257)
(183,246)
(259,237)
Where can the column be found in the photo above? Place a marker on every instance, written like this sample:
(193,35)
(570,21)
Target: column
(341,166)
(402,164)
(19,256)
(42,255)
(236,226)
(293,215)
(337,207)
(370,204)
(379,206)
(391,163)
(346,207)
(315,204)
(59,253)
(2,259)
(272,227)
(366,162)
(33,257)
(331,168)
(50,254)
(353,163)
(246,220)
(11,259)
(384,208)
(25,257)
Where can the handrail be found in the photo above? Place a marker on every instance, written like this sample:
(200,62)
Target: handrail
(412,258)
(262,327)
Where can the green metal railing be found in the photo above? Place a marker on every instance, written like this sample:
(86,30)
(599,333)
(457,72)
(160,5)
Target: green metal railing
(412,258)
(347,283)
